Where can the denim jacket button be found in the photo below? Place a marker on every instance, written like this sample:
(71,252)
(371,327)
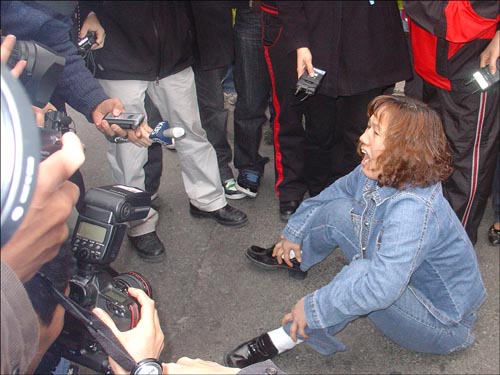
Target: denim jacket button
(366,223)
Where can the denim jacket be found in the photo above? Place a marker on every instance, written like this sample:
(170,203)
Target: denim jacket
(408,238)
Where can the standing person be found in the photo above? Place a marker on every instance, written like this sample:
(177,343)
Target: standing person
(451,40)
(413,270)
(214,53)
(253,88)
(148,49)
(361,59)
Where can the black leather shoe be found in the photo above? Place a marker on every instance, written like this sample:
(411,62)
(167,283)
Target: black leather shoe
(287,209)
(256,350)
(264,258)
(226,215)
(149,247)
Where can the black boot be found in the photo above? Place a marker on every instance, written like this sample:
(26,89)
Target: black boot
(264,258)
(255,350)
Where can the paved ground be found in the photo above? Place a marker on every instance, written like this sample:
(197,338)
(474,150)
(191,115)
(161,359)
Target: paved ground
(210,298)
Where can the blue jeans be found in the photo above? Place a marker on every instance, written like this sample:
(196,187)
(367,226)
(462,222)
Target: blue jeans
(253,86)
(407,321)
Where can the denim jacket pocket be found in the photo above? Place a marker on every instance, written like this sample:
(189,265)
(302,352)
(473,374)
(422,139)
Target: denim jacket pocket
(271,29)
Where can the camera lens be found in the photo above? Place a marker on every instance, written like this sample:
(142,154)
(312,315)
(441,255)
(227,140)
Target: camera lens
(20,151)
(133,280)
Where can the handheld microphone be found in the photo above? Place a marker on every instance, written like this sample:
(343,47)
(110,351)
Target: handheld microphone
(164,134)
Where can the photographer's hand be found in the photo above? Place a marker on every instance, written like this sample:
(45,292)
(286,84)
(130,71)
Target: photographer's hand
(6,49)
(44,227)
(143,341)
(40,113)
(92,24)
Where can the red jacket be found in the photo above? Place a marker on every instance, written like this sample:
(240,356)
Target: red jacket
(447,38)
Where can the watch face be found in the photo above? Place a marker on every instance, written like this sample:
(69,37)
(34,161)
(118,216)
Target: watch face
(149,368)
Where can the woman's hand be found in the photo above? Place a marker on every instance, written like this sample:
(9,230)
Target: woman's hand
(298,318)
(282,251)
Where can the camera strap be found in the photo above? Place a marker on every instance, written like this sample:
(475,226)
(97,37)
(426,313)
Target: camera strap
(99,331)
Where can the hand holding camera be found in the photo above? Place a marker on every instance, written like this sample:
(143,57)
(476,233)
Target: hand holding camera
(44,228)
(143,341)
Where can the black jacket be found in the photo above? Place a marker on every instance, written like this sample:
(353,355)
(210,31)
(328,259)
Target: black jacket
(359,45)
(213,30)
(145,40)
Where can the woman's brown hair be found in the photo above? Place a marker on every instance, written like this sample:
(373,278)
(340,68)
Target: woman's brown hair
(416,149)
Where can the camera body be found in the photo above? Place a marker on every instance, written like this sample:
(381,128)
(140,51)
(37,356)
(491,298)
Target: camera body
(96,242)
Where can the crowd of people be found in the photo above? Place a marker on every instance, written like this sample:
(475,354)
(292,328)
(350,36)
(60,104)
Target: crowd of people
(350,160)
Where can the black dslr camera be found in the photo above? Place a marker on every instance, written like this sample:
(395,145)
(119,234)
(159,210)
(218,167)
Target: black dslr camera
(96,242)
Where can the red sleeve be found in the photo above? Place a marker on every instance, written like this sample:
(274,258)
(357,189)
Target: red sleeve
(466,20)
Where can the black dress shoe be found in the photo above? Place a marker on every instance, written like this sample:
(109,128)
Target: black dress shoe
(253,351)
(226,215)
(264,258)
(287,209)
(149,247)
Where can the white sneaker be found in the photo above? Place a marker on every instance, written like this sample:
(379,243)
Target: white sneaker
(231,191)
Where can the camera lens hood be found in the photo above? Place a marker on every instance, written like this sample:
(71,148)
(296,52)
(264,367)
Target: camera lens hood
(20,154)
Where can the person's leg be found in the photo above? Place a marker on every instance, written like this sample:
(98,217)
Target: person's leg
(175,98)
(411,325)
(126,159)
(127,167)
(213,115)
(288,131)
(470,122)
(154,165)
(320,124)
(253,88)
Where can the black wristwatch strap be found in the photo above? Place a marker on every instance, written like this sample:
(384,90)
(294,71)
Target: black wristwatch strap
(147,366)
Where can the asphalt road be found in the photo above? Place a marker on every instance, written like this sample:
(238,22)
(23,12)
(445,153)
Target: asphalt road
(210,298)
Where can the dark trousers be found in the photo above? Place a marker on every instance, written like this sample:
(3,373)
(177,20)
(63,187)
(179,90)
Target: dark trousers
(288,131)
(471,123)
(154,166)
(333,127)
(253,87)
(213,115)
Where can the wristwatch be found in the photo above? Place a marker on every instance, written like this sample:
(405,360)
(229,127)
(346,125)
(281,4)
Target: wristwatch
(148,366)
